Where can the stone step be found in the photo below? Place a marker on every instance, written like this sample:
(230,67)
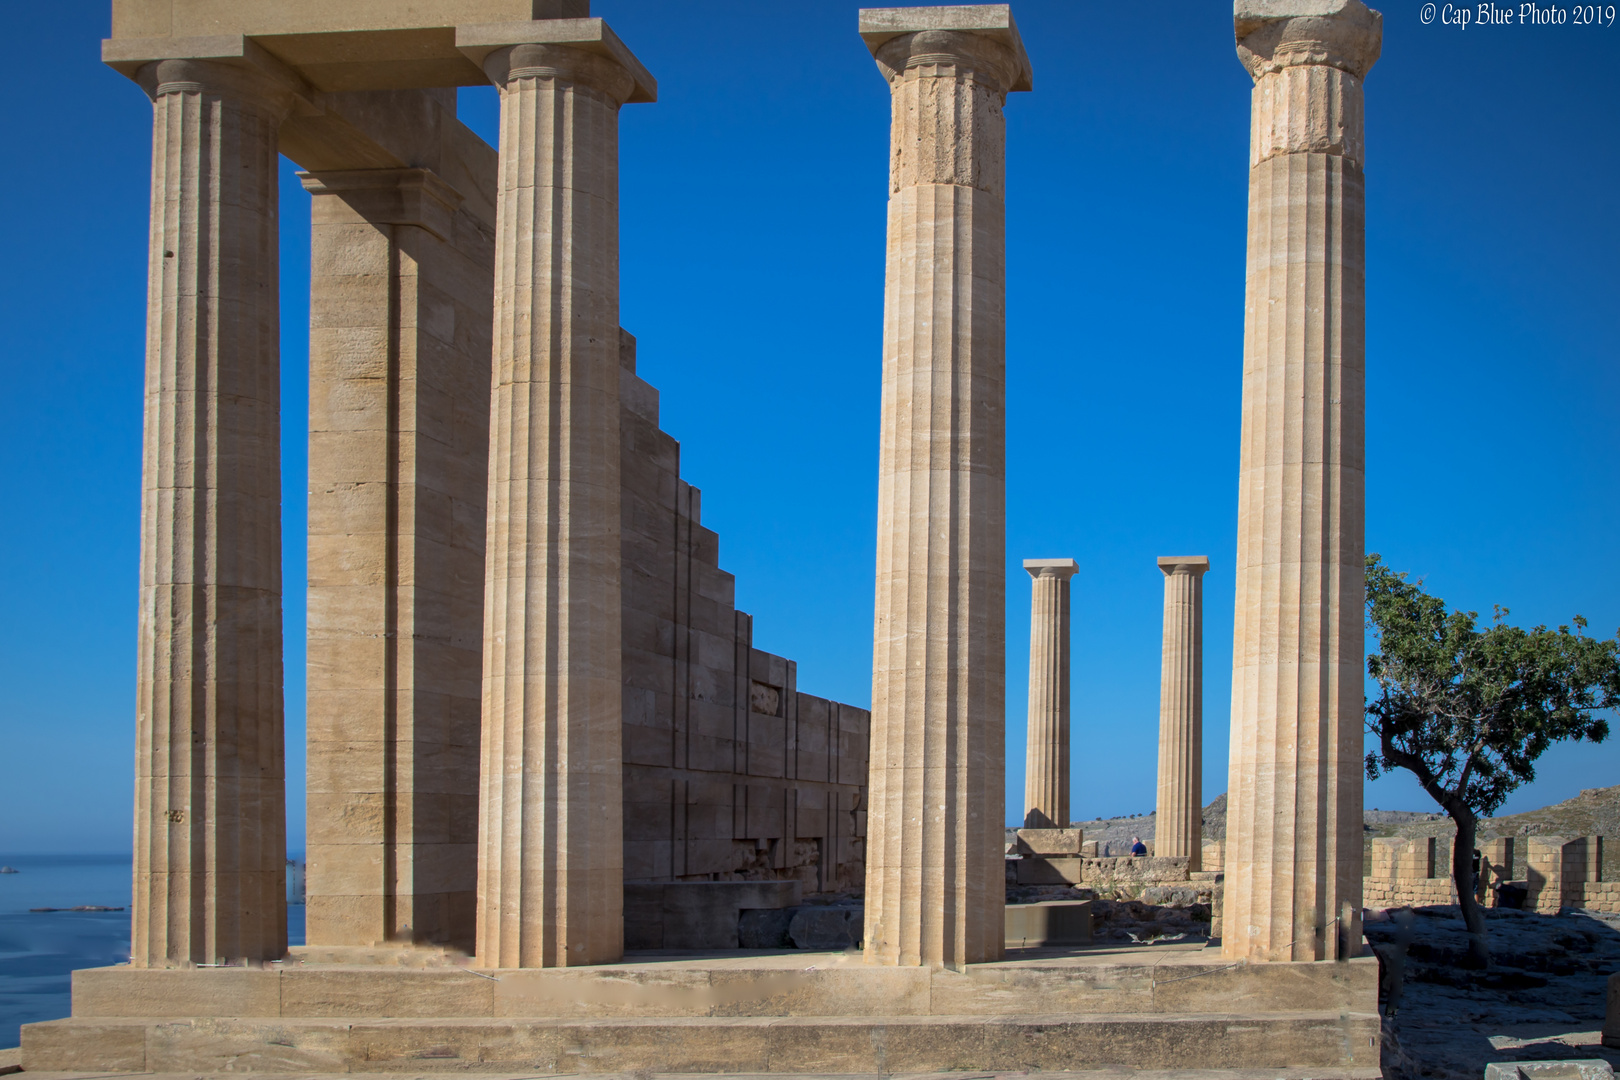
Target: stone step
(1356,1073)
(1154,980)
(1315,1044)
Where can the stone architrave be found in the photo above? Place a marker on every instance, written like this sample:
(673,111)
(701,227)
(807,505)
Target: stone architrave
(1179,822)
(551,857)
(400,290)
(1046,775)
(210,795)
(1294,831)
(934,893)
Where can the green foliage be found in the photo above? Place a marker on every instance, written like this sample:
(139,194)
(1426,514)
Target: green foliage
(1469,710)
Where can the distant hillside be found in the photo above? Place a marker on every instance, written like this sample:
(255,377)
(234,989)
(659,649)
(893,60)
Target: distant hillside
(1594,811)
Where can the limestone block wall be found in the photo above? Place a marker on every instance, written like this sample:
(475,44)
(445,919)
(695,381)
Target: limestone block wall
(1562,872)
(730,773)
(1556,872)
(1413,873)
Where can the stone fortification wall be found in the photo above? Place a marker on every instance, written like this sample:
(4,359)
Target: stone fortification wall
(1550,873)
(730,772)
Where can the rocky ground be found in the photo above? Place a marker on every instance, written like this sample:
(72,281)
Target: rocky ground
(1543,996)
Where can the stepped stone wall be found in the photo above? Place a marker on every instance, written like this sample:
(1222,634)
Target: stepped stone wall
(730,772)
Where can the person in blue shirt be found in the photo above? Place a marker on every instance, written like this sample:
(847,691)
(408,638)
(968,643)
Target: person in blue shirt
(1137,847)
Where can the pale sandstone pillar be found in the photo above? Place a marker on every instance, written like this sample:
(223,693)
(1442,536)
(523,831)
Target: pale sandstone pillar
(210,798)
(551,869)
(400,289)
(1046,775)
(1179,822)
(934,891)
(1294,834)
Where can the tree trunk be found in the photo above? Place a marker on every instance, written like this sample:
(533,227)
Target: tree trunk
(1462,876)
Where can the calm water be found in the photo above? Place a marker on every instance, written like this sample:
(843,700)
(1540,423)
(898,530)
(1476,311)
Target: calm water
(39,950)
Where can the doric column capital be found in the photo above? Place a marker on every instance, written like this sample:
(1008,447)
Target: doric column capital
(1277,34)
(976,42)
(581,51)
(235,69)
(1062,569)
(1191,565)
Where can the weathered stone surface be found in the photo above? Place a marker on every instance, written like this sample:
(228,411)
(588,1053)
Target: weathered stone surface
(1046,773)
(1294,828)
(697,914)
(1179,821)
(765,929)
(1057,922)
(1049,841)
(399,390)
(934,864)
(1567,1069)
(822,928)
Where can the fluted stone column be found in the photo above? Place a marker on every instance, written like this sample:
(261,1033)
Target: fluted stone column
(550,872)
(934,869)
(399,352)
(210,798)
(1294,826)
(1046,774)
(1179,822)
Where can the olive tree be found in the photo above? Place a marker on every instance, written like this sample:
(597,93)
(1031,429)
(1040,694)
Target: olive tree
(1468,709)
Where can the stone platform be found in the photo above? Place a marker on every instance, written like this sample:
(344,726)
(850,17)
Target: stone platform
(1167,1007)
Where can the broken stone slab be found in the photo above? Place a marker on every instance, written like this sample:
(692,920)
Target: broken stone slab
(697,914)
(826,928)
(765,928)
(1577,1069)
(1170,895)
(1050,922)
(1049,841)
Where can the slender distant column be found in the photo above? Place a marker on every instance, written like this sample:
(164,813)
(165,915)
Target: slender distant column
(551,858)
(934,869)
(1179,822)
(210,798)
(1294,831)
(1046,775)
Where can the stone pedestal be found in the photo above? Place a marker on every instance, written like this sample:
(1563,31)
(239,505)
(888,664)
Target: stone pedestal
(1046,775)
(551,869)
(210,796)
(1179,828)
(934,892)
(1294,834)
(398,451)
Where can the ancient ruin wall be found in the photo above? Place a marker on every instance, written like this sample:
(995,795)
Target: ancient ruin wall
(730,773)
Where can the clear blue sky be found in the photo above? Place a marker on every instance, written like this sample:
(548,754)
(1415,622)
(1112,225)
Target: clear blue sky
(753,217)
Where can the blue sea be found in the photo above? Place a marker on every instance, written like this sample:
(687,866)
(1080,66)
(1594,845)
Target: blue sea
(39,950)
